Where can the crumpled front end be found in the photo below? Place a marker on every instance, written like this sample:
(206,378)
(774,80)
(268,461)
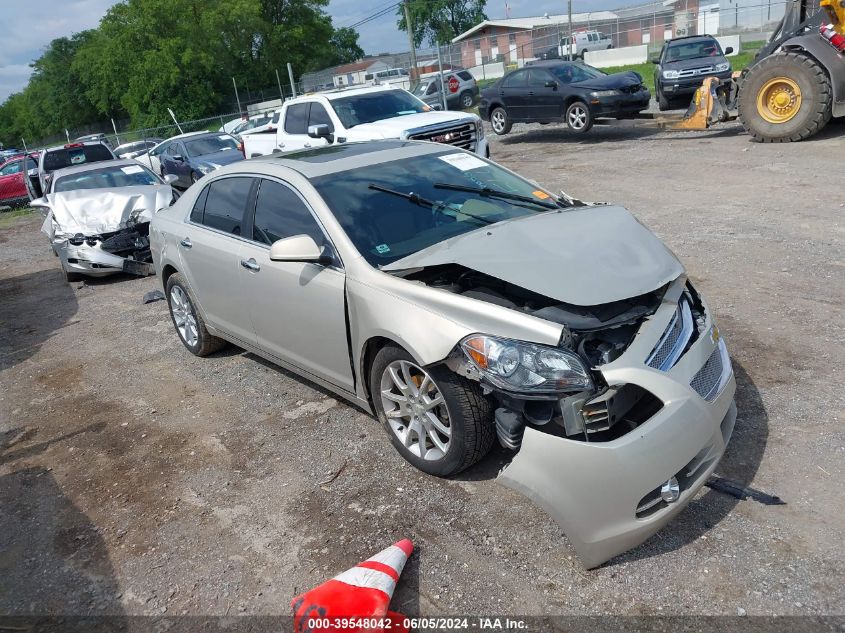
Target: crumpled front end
(98,233)
(614,466)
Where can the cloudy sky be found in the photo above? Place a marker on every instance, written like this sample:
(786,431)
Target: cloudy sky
(28,25)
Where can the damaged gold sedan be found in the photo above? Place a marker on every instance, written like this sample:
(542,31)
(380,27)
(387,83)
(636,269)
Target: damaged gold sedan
(98,214)
(460,303)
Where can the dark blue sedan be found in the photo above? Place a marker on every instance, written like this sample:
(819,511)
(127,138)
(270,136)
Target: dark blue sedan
(190,156)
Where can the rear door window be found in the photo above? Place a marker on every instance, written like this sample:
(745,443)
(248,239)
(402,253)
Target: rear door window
(465,75)
(296,118)
(225,204)
(517,79)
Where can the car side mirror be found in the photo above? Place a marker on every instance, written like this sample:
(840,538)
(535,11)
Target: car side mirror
(437,106)
(729,50)
(321,131)
(298,248)
(655,60)
(178,157)
(170,178)
(551,84)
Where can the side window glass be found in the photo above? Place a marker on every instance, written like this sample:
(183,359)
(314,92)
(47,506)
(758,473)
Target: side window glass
(296,119)
(319,116)
(199,207)
(11,168)
(224,207)
(280,213)
(516,80)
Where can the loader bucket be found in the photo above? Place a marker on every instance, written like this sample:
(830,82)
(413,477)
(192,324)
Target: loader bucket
(700,114)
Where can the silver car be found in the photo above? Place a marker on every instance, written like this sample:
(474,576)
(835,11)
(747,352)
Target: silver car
(461,303)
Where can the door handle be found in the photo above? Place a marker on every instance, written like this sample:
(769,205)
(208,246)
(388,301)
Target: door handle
(250,264)
(187,242)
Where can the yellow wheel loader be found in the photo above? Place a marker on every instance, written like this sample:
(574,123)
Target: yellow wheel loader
(794,86)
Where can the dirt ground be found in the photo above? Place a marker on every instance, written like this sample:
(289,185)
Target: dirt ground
(138,479)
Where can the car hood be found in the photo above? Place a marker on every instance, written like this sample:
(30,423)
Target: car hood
(585,256)
(615,81)
(695,62)
(395,126)
(219,158)
(98,211)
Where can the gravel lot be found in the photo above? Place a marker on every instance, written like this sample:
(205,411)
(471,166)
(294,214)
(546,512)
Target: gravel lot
(138,479)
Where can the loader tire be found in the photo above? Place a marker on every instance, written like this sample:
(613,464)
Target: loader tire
(786,97)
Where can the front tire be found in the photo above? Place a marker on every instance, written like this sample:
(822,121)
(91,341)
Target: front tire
(438,421)
(785,97)
(578,117)
(187,320)
(500,121)
(662,102)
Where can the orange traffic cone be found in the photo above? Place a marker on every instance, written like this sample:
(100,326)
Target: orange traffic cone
(359,594)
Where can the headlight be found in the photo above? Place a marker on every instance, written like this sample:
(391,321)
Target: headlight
(720,68)
(604,93)
(479,129)
(671,74)
(526,367)
(205,169)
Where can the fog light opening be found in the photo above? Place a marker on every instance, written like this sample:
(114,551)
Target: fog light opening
(670,491)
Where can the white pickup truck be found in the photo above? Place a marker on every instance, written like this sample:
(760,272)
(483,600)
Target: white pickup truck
(364,114)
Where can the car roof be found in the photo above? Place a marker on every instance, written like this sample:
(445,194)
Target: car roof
(77,169)
(333,159)
(343,92)
(72,145)
(687,38)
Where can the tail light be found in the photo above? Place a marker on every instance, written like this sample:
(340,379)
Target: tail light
(71,145)
(834,39)
(241,148)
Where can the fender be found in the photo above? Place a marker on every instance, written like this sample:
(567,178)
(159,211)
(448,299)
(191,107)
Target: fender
(833,62)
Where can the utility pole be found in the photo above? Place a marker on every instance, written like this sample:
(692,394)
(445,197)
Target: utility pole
(234,83)
(571,44)
(410,28)
(440,79)
(290,76)
(279,81)
(114,127)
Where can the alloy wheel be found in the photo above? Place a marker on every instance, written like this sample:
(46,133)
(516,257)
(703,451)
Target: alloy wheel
(577,117)
(184,316)
(415,410)
(497,120)
(466,101)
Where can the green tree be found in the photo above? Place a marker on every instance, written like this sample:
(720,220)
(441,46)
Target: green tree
(345,48)
(441,20)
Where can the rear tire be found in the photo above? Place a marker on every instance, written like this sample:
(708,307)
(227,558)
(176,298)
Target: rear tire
(785,97)
(500,121)
(189,324)
(466,99)
(578,117)
(468,413)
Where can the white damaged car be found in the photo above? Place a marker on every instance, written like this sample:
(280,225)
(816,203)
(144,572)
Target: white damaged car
(98,217)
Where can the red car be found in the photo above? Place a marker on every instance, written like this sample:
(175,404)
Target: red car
(12,187)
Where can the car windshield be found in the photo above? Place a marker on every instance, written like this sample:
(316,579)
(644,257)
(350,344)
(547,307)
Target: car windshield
(375,106)
(385,226)
(210,144)
(572,73)
(107,178)
(422,87)
(132,147)
(66,156)
(690,50)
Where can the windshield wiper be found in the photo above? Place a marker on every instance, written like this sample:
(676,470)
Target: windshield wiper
(425,202)
(495,193)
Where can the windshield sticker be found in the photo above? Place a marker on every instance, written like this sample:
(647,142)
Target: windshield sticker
(464,162)
(540,194)
(381,249)
(132,169)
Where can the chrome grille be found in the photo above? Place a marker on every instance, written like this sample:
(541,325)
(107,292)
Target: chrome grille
(708,381)
(462,136)
(694,72)
(674,340)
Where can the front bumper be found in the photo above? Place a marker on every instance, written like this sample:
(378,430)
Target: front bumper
(93,261)
(688,85)
(593,489)
(620,106)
